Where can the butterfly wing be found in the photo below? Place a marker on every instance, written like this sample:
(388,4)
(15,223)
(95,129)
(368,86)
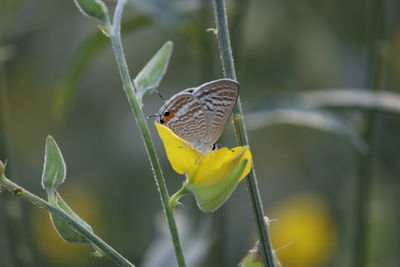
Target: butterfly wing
(185,117)
(217,99)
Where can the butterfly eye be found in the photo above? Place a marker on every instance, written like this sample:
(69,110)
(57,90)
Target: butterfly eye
(166,113)
(162,121)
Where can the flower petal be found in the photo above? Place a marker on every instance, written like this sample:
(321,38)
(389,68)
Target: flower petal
(180,153)
(216,165)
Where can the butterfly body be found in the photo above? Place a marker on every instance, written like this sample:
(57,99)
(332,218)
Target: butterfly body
(199,115)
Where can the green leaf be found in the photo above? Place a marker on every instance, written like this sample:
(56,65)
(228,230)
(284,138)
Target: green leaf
(93,8)
(211,197)
(2,168)
(87,51)
(150,76)
(65,231)
(54,170)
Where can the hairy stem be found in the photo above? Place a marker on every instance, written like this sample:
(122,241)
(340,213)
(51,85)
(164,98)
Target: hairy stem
(144,130)
(241,133)
(93,238)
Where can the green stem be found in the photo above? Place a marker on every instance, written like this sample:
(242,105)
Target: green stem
(144,130)
(377,68)
(93,238)
(173,201)
(240,131)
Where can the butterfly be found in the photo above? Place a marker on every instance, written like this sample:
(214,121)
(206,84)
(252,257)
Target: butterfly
(199,115)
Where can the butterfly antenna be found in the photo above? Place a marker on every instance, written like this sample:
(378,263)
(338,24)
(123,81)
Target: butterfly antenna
(159,94)
(152,116)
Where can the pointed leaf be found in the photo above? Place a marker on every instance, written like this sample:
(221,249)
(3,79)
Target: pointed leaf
(150,76)
(65,231)
(93,8)
(2,168)
(54,170)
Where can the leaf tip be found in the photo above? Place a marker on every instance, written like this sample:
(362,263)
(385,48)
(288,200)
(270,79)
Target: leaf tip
(54,169)
(2,169)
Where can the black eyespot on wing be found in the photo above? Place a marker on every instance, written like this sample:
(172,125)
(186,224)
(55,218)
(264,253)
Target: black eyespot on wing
(166,113)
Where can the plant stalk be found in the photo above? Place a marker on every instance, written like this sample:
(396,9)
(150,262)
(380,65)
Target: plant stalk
(144,130)
(241,133)
(377,69)
(93,238)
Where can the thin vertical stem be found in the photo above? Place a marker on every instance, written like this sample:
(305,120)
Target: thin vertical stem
(144,130)
(241,133)
(378,63)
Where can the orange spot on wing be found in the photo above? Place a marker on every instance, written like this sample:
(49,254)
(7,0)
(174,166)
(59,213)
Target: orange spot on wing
(170,116)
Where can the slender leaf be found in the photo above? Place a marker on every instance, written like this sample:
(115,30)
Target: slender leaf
(63,229)
(54,170)
(2,168)
(93,8)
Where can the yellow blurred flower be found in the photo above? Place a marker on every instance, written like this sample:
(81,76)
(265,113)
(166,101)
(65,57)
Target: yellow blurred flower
(304,231)
(51,244)
(212,176)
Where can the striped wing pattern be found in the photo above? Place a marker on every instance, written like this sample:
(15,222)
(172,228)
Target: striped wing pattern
(188,121)
(217,99)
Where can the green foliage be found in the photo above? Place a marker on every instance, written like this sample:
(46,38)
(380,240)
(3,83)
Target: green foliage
(93,8)
(2,168)
(65,231)
(54,170)
(150,76)
(54,173)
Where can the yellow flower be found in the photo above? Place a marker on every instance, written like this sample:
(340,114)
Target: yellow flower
(304,231)
(212,176)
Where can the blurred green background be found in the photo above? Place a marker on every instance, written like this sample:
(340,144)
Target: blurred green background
(313,157)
